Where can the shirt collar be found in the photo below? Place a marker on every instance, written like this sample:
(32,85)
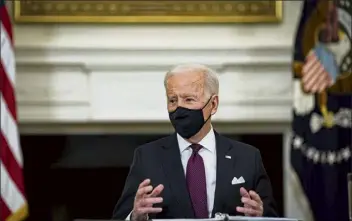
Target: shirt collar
(208,142)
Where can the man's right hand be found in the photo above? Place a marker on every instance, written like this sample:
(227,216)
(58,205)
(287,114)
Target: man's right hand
(145,198)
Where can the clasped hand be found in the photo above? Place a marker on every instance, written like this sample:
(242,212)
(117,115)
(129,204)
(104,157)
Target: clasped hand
(253,205)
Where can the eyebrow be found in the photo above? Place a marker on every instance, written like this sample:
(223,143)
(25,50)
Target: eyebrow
(183,95)
(188,95)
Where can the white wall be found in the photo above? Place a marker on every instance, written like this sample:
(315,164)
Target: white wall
(102,72)
(98,74)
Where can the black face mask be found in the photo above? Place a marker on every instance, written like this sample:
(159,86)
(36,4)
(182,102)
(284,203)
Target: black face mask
(188,122)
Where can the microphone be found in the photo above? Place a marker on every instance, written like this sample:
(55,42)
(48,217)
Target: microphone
(349,183)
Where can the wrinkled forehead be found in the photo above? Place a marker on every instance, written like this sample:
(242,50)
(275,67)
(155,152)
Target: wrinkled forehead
(187,81)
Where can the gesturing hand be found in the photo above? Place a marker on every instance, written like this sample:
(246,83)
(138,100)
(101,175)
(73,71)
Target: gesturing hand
(144,201)
(253,205)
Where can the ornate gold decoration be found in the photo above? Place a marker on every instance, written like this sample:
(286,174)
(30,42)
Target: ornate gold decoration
(159,11)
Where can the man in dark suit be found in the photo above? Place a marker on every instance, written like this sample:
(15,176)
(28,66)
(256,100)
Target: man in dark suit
(195,172)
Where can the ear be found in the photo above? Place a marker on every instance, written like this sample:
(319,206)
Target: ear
(214,104)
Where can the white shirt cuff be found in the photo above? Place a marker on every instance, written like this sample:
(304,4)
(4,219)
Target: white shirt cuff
(129,216)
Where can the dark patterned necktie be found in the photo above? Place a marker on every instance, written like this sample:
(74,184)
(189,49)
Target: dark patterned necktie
(196,183)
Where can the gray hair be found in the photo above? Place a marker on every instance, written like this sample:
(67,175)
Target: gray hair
(211,80)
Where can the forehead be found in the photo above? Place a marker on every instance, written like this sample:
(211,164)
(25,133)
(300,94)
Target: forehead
(186,81)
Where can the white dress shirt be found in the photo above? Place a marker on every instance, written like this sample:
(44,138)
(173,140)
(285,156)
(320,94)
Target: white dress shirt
(208,153)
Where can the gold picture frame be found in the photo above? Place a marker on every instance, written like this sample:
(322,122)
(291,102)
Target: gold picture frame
(157,11)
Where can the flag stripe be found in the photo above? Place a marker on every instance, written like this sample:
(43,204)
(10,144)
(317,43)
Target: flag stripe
(13,198)
(309,62)
(9,191)
(315,77)
(5,212)
(321,80)
(7,92)
(314,66)
(5,20)
(309,77)
(7,158)
(7,55)
(313,74)
(10,131)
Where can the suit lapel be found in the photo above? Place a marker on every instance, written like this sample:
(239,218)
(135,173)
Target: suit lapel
(174,172)
(223,172)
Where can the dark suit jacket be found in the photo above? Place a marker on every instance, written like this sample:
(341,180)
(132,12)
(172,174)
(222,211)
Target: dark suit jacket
(160,161)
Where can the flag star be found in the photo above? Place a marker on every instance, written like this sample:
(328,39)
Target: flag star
(346,153)
(345,122)
(331,158)
(297,142)
(345,3)
(310,152)
(316,157)
(316,122)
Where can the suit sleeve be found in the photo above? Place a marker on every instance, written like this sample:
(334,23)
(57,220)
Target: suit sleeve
(263,188)
(124,205)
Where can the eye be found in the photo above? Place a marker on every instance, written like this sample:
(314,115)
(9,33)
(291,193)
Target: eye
(171,101)
(189,99)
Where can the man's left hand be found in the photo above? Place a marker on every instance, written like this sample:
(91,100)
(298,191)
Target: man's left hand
(253,205)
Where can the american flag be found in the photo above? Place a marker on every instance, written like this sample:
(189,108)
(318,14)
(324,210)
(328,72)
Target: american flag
(13,203)
(315,76)
(320,69)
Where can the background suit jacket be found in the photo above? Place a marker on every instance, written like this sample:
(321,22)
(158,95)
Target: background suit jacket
(160,161)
